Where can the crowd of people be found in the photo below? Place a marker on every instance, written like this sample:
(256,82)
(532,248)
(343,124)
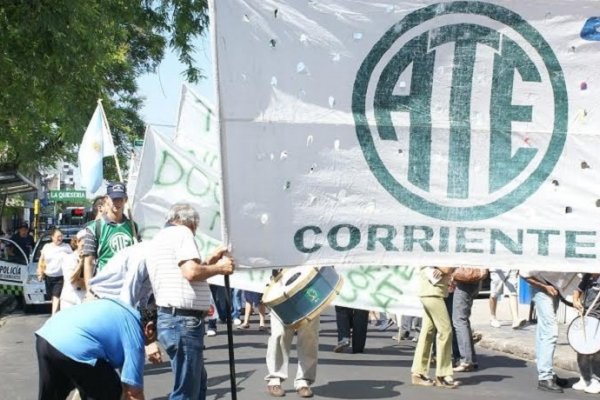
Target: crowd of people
(156,292)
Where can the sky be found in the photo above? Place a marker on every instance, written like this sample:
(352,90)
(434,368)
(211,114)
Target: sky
(163,88)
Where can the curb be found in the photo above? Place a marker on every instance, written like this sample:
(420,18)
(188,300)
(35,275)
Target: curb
(522,351)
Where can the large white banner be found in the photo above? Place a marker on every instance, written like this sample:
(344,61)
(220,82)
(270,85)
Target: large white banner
(403,132)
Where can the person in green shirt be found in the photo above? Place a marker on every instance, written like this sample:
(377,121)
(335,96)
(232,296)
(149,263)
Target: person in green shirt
(108,234)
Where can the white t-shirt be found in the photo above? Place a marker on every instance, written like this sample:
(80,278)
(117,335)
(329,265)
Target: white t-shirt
(53,255)
(171,246)
(70,293)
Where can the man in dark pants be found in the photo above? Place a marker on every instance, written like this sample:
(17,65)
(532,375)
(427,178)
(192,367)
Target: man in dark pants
(351,319)
(81,348)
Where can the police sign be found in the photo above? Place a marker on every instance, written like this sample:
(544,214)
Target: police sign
(395,132)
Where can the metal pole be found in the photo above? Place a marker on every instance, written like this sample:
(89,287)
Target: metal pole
(230,339)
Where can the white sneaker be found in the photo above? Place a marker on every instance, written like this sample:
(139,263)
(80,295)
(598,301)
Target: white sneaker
(580,385)
(211,332)
(237,321)
(593,387)
(495,323)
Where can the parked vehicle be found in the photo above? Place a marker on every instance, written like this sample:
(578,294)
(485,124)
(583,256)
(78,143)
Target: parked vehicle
(18,272)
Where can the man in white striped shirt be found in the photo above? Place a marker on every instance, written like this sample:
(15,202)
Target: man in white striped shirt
(178,278)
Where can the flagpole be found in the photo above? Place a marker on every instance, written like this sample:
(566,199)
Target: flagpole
(119,173)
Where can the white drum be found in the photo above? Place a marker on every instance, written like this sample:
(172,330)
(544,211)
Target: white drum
(300,294)
(584,335)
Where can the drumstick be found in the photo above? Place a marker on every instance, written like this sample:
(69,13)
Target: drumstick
(583,323)
(593,304)
(587,313)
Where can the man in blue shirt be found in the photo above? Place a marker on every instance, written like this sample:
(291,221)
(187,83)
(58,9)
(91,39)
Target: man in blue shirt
(81,348)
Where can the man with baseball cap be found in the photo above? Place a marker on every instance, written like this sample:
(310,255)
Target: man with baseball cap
(109,234)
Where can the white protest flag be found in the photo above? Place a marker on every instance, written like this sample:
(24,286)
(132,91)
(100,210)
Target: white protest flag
(168,174)
(396,132)
(195,120)
(97,143)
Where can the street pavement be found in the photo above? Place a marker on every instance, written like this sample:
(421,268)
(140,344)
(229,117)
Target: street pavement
(382,372)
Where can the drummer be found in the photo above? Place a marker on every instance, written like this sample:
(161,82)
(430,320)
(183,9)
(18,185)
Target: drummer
(546,288)
(584,298)
(278,355)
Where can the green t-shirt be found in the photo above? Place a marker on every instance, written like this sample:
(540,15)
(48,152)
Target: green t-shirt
(113,237)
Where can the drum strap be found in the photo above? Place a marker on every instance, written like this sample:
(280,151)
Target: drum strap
(593,304)
(560,295)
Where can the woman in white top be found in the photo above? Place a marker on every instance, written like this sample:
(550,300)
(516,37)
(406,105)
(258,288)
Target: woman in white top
(49,266)
(73,290)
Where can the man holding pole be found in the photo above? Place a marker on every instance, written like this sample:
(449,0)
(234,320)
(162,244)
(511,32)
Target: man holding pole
(178,277)
(109,234)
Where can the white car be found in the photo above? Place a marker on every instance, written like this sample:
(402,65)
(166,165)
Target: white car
(18,273)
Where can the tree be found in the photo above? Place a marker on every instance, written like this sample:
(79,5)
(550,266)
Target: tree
(57,57)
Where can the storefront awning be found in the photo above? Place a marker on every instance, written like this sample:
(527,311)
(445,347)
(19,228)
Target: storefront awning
(13,182)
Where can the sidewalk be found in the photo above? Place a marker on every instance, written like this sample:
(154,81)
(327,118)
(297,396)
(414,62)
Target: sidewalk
(520,342)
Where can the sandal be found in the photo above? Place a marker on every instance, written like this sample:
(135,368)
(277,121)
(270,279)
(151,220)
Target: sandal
(421,380)
(262,328)
(446,382)
(244,326)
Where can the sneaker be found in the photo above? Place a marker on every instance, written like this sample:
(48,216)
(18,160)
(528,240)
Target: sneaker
(341,346)
(580,385)
(386,325)
(548,385)
(304,392)
(495,323)
(211,332)
(275,390)
(593,387)
(464,367)
(237,321)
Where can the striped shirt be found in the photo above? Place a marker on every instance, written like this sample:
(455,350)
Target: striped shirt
(171,247)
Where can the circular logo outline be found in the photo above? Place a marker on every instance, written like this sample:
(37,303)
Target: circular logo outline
(532,182)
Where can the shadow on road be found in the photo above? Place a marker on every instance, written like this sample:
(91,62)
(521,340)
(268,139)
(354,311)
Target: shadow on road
(358,389)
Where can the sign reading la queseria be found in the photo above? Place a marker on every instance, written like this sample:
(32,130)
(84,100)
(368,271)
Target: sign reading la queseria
(67,195)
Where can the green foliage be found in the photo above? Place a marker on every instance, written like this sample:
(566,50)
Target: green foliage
(57,57)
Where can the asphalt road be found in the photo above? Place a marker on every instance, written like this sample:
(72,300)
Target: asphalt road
(382,372)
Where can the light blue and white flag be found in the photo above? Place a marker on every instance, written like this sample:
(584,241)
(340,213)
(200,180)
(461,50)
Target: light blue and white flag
(96,144)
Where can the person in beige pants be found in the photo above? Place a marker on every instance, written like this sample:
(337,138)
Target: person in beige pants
(436,324)
(278,355)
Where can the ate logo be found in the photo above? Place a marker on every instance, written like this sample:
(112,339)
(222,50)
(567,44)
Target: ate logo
(461,110)
(119,241)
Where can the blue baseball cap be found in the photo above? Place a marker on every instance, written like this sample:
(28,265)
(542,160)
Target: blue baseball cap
(116,190)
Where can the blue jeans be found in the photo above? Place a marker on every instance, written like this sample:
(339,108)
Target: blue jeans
(462,304)
(546,333)
(236,303)
(183,340)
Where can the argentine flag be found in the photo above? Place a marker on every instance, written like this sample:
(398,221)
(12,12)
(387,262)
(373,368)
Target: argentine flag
(96,144)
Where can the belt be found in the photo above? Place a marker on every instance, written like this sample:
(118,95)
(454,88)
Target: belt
(183,312)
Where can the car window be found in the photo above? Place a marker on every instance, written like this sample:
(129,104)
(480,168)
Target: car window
(9,252)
